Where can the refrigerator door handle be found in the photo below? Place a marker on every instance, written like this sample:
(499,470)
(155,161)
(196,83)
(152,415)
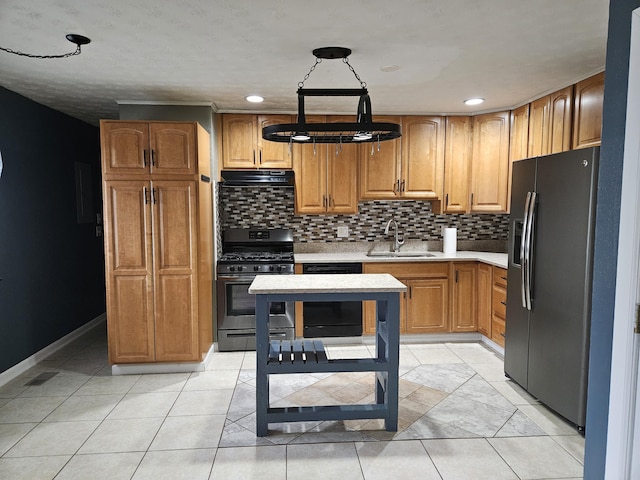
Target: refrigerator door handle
(529,248)
(523,257)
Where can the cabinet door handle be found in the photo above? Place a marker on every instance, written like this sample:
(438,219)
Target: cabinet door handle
(146,198)
(332,202)
(324,201)
(503,303)
(472,199)
(144,157)
(254,157)
(260,158)
(410,292)
(456,276)
(153,195)
(153,158)
(446,200)
(402,186)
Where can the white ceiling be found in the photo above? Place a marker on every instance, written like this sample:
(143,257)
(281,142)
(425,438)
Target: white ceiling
(218,51)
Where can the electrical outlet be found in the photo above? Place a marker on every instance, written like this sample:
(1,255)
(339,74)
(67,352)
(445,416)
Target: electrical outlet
(343,232)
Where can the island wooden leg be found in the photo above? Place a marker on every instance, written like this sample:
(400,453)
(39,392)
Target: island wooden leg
(392,353)
(262,354)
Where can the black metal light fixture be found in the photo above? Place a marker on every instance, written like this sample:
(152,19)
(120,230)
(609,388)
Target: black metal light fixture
(72,37)
(363,130)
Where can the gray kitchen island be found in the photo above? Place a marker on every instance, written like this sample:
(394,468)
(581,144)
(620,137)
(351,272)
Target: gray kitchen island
(308,356)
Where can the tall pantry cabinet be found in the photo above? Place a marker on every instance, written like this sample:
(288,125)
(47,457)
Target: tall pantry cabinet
(158,240)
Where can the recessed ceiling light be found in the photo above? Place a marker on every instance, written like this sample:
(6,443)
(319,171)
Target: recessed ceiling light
(474,101)
(254,98)
(390,68)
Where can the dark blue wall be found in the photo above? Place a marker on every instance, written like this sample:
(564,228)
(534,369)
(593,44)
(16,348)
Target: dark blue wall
(52,267)
(606,238)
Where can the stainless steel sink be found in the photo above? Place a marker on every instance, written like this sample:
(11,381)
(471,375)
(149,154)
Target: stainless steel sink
(399,254)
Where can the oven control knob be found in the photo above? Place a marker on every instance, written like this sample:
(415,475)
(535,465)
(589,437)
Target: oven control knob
(282,268)
(256,268)
(271,268)
(240,268)
(232,269)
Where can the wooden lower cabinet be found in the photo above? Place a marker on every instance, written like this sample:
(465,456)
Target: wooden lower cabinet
(428,305)
(424,308)
(498,305)
(446,297)
(464,299)
(484,286)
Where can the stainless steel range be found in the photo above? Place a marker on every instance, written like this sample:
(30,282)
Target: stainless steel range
(245,254)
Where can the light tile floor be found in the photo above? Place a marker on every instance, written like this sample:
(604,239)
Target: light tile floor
(459,418)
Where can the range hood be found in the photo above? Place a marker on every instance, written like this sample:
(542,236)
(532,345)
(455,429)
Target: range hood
(283,178)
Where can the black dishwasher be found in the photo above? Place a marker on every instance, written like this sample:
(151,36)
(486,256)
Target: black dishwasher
(332,319)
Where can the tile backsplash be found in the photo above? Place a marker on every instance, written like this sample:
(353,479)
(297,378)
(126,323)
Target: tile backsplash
(273,207)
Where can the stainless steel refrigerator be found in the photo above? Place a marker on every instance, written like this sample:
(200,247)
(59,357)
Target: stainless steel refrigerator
(549,279)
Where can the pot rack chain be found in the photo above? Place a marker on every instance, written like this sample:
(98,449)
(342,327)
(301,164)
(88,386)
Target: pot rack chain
(79,40)
(70,54)
(319,60)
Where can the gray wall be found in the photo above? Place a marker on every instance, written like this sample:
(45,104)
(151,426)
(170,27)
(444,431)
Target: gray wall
(52,267)
(606,237)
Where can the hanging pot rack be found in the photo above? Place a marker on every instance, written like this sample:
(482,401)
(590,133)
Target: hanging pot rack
(363,130)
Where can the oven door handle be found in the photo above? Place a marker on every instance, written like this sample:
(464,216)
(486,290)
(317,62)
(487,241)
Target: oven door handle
(233,278)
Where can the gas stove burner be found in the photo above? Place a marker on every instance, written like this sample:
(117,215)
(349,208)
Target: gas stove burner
(256,257)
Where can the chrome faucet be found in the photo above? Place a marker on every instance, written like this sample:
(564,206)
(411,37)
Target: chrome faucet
(397,242)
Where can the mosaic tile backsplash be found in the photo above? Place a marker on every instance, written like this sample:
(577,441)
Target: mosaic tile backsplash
(273,207)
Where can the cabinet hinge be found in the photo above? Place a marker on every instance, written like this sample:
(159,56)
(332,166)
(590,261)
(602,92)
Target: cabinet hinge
(636,329)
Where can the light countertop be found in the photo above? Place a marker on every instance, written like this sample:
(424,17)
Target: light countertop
(497,259)
(351,283)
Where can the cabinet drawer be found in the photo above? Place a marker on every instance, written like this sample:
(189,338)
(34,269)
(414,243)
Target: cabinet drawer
(500,276)
(497,331)
(499,301)
(426,269)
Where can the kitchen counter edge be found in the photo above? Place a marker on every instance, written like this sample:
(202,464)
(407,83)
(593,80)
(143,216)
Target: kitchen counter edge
(491,258)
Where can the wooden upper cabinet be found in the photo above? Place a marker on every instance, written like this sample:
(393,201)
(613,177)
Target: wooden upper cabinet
(490,166)
(457,164)
(239,141)
(560,110)
(519,142)
(142,148)
(538,127)
(310,167)
(550,123)
(326,175)
(380,166)
(422,166)
(244,147)
(409,167)
(587,113)
(273,154)
(342,174)
(124,147)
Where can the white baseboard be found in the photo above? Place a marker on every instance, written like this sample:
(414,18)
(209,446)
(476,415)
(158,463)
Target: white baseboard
(27,363)
(178,367)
